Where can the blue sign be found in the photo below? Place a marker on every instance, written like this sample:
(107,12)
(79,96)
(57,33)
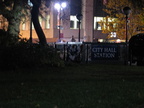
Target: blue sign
(104,52)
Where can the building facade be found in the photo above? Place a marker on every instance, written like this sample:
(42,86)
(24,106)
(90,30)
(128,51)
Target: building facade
(64,24)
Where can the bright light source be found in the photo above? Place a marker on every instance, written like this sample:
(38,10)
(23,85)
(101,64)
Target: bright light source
(118,41)
(63,5)
(57,6)
(100,40)
(29,3)
(113,34)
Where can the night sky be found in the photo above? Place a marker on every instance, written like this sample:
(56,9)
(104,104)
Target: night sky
(75,7)
(98,7)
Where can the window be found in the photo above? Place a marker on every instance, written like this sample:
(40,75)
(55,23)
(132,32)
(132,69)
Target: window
(24,26)
(104,22)
(98,26)
(113,34)
(73,22)
(47,23)
(77,26)
(40,20)
(97,21)
(32,26)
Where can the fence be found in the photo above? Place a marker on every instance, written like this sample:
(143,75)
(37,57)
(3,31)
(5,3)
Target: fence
(92,52)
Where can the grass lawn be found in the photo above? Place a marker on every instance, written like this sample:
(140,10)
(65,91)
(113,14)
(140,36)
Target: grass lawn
(75,86)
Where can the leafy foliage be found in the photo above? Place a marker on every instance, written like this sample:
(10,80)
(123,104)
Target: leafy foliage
(13,11)
(24,55)
(116,22)
(8,40)
(17,10)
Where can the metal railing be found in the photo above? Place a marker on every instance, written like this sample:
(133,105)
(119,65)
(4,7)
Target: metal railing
(92,52)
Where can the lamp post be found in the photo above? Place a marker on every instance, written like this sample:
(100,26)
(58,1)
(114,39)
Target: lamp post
(126,11)
(79,17)
(59,6)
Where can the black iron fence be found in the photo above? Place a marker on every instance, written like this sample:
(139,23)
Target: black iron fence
(92,52)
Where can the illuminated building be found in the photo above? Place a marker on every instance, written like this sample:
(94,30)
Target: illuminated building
(90,28)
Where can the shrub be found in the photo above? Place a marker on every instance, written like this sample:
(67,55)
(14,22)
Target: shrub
(29,56)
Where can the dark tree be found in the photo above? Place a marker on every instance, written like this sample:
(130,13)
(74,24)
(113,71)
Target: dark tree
(35,20)
(12,10)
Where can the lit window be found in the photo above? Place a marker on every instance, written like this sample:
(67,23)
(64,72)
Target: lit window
(113,34)
(112,23)
(98,26)
(47,23)
(23,26)
(104,22)
(73,22)
(97,21)
(40,20)
(32,26)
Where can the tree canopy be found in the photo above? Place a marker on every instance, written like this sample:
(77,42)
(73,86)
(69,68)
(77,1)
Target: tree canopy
(116,22)
(14,10)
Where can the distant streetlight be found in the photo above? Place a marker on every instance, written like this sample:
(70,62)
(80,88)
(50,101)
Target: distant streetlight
(59,6)
(79,17)
(126,11)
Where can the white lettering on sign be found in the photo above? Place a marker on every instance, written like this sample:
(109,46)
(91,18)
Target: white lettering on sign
(104,52)
(109,50)
(97,50)
(104,55)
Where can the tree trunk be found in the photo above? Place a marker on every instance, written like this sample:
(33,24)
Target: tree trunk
(35,20)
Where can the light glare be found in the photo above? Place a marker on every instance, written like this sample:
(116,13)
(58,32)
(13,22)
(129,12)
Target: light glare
(63,5)
(57,6)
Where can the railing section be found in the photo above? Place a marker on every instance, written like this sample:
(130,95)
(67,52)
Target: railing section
(92,52)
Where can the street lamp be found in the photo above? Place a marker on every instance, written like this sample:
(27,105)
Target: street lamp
(126,11)
(79,17)
(59,6)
